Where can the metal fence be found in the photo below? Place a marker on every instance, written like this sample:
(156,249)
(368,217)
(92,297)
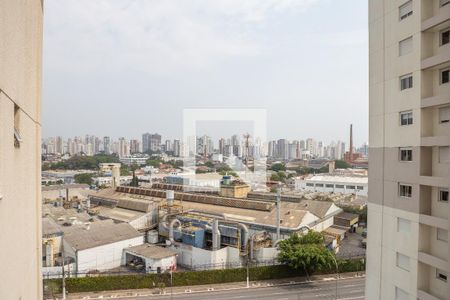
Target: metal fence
(180,268)
(123,271)
(233,265)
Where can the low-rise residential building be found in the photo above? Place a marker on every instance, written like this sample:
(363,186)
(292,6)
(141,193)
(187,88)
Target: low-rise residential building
(107,181)
(138,160)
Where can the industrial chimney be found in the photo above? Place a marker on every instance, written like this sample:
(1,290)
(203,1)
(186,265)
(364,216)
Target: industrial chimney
(169,197)
(351,143)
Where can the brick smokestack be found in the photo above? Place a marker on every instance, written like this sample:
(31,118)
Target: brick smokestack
(351,143)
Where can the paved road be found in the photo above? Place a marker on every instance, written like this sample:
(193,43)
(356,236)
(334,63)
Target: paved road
(348,289)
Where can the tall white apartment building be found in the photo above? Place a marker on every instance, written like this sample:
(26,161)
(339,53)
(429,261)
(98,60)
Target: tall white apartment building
(20,149)
(408,243)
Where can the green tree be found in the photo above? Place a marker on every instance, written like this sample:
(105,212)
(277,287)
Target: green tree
(82,162)
(275,177)
(306,252)
(135,180)
(342,164)
(153,162)
(278,167)
(209,164)
(85,178)
(175,163)
(304,170)
(125,170)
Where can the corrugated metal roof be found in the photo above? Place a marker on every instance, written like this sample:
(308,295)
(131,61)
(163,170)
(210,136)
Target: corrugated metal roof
(49,227)
(135,204)
(99,233)
(151,251)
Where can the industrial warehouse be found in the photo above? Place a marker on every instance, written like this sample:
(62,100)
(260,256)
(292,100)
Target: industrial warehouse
(167,227)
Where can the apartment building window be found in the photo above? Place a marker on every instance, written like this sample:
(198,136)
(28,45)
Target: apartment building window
(403,225)
(350,187)
(402,261)
(405,190)
(360,188)
(405,46)
(405,10)
(406,82)
(444,2)
(329,185)
(445,36)
(442,235)
(444,154)
(445,76)
(405,154)
(443,194)
(319,185)
(441,275)
(310,184)
(406,118)
(444,114)
(339,186)
(401,294)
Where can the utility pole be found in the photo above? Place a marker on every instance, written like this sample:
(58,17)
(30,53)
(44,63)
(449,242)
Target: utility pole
(278,211)
(63,271)
(248,275)
(337,273)
(171,283)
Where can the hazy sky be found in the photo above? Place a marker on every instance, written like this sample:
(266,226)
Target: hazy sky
(123,67)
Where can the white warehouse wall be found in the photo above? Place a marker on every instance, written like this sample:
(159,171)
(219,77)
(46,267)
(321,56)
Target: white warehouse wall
(105,257)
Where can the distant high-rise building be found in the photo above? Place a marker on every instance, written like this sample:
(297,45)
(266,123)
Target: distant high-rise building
(107,145)
(235,140)
(59,145)
(176,148)
(302,145)
(124,149)
(319,149)
(222,146)
(283,149)
(311,146)
(151,142)
(146,142)
(204,145)
(168,146)
(271,149)
(292,150)
(408,249)
(135,146)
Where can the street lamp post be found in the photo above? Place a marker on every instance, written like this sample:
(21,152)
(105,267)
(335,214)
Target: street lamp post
(248,277)
(63,271)
(171,284)
(337,273)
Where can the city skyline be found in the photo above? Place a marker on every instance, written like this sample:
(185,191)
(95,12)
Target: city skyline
(237,145)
